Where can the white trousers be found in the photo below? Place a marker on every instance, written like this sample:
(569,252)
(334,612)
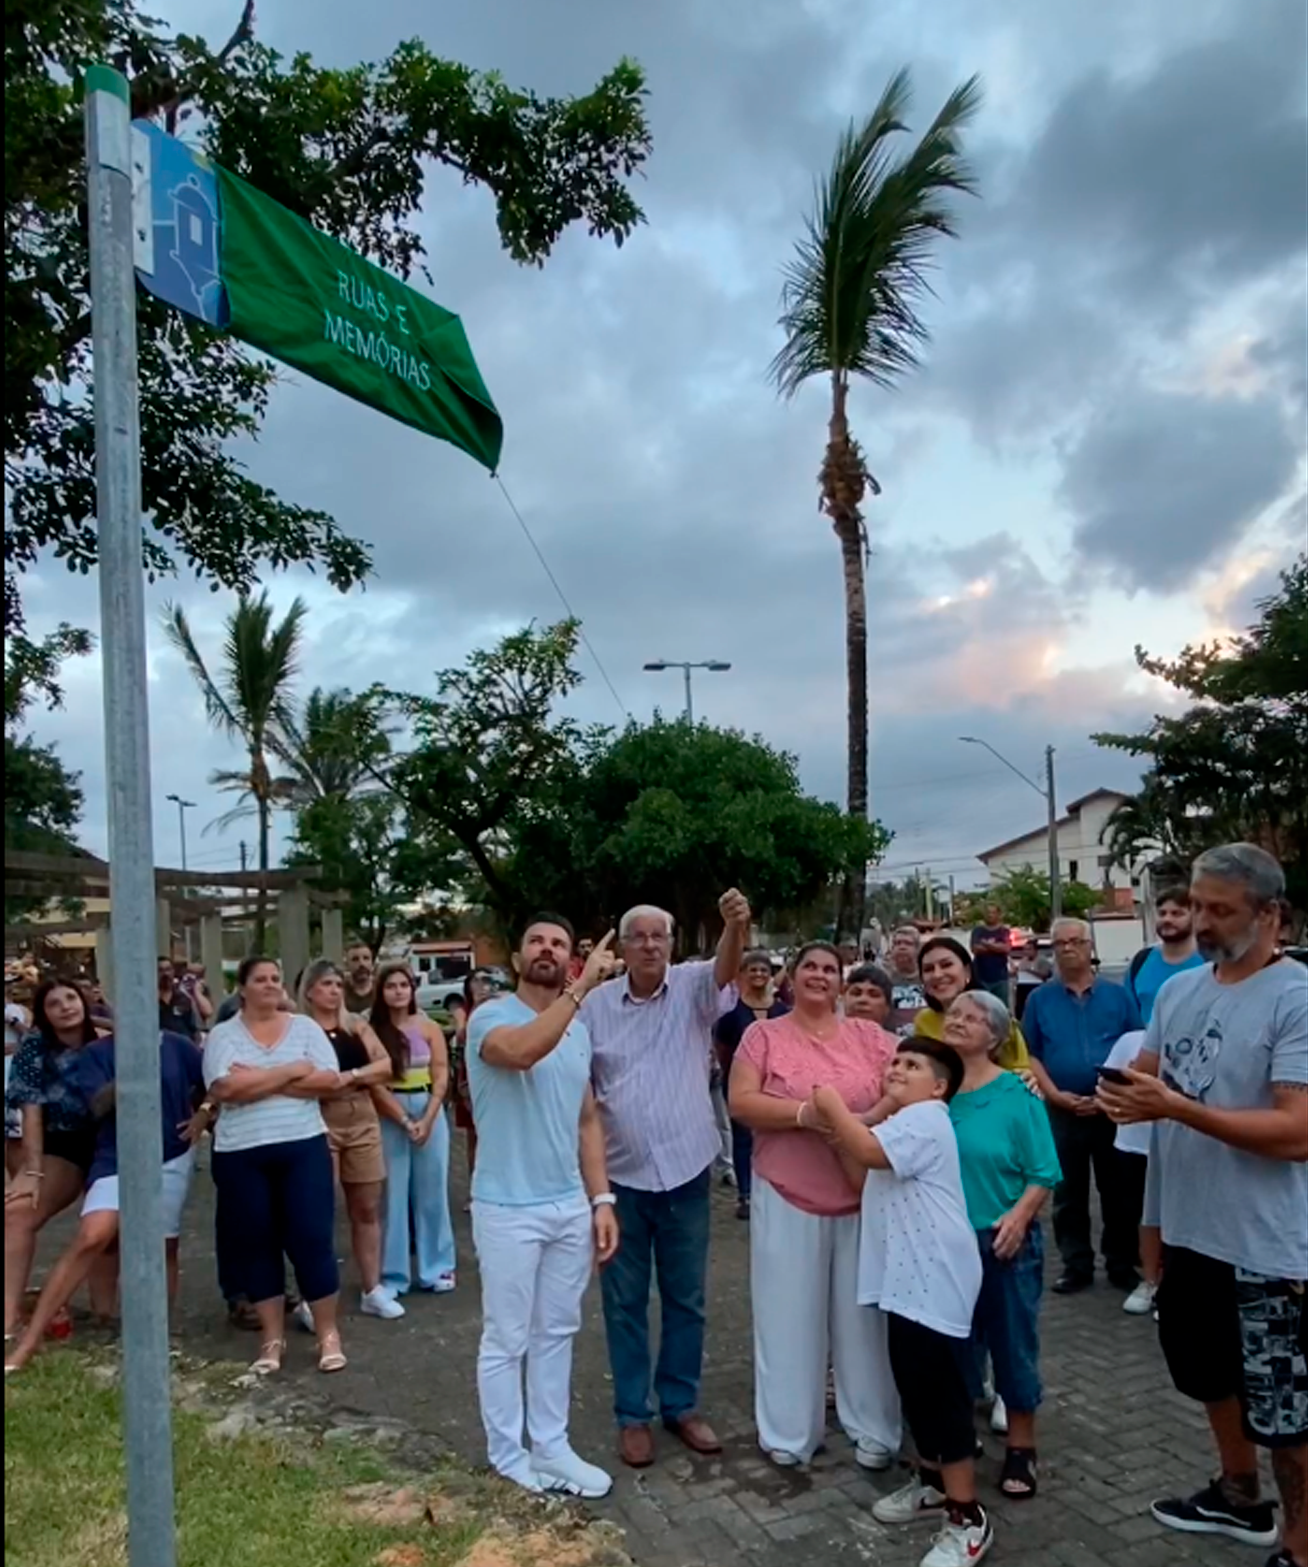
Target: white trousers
(535,1264)
(803,1284)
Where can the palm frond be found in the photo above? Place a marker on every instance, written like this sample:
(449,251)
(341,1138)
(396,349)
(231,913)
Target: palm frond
(852,292)
(178,631)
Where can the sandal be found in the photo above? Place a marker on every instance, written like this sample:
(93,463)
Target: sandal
(330,1355)
(269,1362)
(1018,1479)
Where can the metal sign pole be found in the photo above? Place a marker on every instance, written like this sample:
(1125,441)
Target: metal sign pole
(147,1411)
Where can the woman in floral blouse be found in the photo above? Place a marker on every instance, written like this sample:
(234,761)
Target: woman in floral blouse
(58,1141)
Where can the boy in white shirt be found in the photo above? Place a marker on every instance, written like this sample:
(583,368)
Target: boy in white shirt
(919,1263)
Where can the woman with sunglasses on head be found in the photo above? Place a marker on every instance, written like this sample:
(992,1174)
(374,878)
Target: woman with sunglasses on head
(946,969)
(268,1071)
(353,1128)
(805,1224)
(415,1137)
(57,1146)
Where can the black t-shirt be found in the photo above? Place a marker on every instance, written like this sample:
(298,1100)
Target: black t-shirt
(730,1028)
(351,1052)
(177,1015)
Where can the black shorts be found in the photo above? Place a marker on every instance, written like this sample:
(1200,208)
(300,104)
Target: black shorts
(931,1374)
(1227,1333)
(74,1147)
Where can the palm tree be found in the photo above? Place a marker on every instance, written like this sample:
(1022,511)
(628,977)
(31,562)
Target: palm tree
(849,308)
(249,700)
(330,748)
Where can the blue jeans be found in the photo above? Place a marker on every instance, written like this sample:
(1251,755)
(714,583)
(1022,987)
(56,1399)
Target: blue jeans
(1006,1323)
(665,1234)
(274,1202)
(417,1177)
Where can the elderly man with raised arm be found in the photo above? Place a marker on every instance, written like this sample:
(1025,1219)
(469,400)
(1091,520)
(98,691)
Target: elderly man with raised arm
(650,1033)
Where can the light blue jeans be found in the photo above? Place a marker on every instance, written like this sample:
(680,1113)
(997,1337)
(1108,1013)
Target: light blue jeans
(417,1180)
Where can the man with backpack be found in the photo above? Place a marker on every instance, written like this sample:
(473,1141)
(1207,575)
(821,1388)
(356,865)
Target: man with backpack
(1175,952)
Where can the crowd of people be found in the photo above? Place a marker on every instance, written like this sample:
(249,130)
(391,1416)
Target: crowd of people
(895,1133)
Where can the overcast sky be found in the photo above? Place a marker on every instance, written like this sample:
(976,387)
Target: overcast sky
(1106,446)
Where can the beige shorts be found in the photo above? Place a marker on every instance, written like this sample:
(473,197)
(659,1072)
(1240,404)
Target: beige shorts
(354,1133)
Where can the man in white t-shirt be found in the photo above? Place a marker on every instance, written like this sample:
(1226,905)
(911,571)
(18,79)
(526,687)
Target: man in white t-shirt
(542,1212)
(920,1264)
(1224,1077)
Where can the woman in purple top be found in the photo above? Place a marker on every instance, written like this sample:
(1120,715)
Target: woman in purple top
(415,1138)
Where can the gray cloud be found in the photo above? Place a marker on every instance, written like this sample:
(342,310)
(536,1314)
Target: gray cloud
(675,497)
(1161,484)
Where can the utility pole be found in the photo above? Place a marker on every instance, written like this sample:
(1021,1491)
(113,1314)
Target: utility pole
(244,856)
(147,1400)
(1055,876)
(182,807)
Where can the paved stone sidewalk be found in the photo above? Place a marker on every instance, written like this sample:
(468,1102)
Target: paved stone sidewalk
(1114,1433)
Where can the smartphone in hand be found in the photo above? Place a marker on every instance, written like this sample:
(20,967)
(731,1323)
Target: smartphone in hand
(1111,1074)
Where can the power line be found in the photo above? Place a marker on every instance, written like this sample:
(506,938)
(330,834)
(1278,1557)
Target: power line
(563,597)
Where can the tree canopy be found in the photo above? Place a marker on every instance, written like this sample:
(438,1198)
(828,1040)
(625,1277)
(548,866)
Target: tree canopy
(1235,764)
(351,150)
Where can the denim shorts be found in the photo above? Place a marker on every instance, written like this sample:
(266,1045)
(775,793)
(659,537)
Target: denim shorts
(1006,1323)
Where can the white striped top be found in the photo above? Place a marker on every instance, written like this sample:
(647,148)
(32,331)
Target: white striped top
(280,1118)
(650,1072)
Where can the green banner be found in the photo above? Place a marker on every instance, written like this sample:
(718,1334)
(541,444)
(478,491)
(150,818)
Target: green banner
(314,303)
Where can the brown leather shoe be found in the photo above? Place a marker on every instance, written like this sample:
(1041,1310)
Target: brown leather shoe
(698,1435)
(636,1446)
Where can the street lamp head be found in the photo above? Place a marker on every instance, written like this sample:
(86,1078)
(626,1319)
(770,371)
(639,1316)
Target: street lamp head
(969,740)
(657,664)
(717,666)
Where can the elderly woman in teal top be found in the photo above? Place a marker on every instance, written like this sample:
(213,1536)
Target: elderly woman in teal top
(1009,1164)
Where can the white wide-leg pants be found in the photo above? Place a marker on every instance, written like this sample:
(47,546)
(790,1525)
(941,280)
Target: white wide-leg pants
(803,1284)
(535,1264)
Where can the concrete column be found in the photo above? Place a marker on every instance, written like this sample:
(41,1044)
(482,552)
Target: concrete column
(293,931)
(104,960)
(163,915)
(211,954)
(333,935)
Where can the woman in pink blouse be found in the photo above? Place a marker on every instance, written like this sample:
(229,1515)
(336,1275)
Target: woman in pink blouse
(805,1225)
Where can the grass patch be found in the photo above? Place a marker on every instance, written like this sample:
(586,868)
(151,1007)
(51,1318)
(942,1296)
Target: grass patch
(253,1500)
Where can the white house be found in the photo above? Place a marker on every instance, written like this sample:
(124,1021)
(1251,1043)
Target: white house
(1081,854)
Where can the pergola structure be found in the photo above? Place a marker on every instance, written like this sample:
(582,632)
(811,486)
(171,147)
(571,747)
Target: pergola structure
(84,877)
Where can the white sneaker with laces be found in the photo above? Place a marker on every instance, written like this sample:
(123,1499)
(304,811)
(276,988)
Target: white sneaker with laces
(999,1416)
(381,1303)
(912,1503)
(565,1471)
(871,1455)
(1140,1302)
(960,1544)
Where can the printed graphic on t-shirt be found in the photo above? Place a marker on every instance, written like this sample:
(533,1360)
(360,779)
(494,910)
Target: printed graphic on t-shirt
(1191,1064)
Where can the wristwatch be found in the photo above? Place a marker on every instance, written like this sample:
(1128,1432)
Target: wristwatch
(575,999)
(604,1200)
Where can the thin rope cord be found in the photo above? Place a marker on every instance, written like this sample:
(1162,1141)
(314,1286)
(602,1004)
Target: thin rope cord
(563,597)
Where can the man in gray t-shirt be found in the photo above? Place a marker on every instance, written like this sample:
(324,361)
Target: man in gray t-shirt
(1225,1080)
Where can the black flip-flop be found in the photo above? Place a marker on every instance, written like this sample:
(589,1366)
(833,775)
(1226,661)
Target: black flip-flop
(1019,1478)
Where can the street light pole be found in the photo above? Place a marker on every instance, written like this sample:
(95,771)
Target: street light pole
(714,665)
(1050,797)
(147,1393)
(182,807)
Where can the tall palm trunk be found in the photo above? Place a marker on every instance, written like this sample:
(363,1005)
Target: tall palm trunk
(844,480)
(261,787)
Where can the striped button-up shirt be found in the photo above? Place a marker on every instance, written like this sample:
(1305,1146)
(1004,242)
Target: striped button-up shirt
(650,1071)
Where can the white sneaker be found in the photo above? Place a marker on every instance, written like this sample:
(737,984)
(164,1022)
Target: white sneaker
(871,1455)
(912,1503)
(303,1317)
(960,1544)
(381,1303)
(999,1416)
(784,1460)
(522,1474)
(1140,1302)
(572,1475)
